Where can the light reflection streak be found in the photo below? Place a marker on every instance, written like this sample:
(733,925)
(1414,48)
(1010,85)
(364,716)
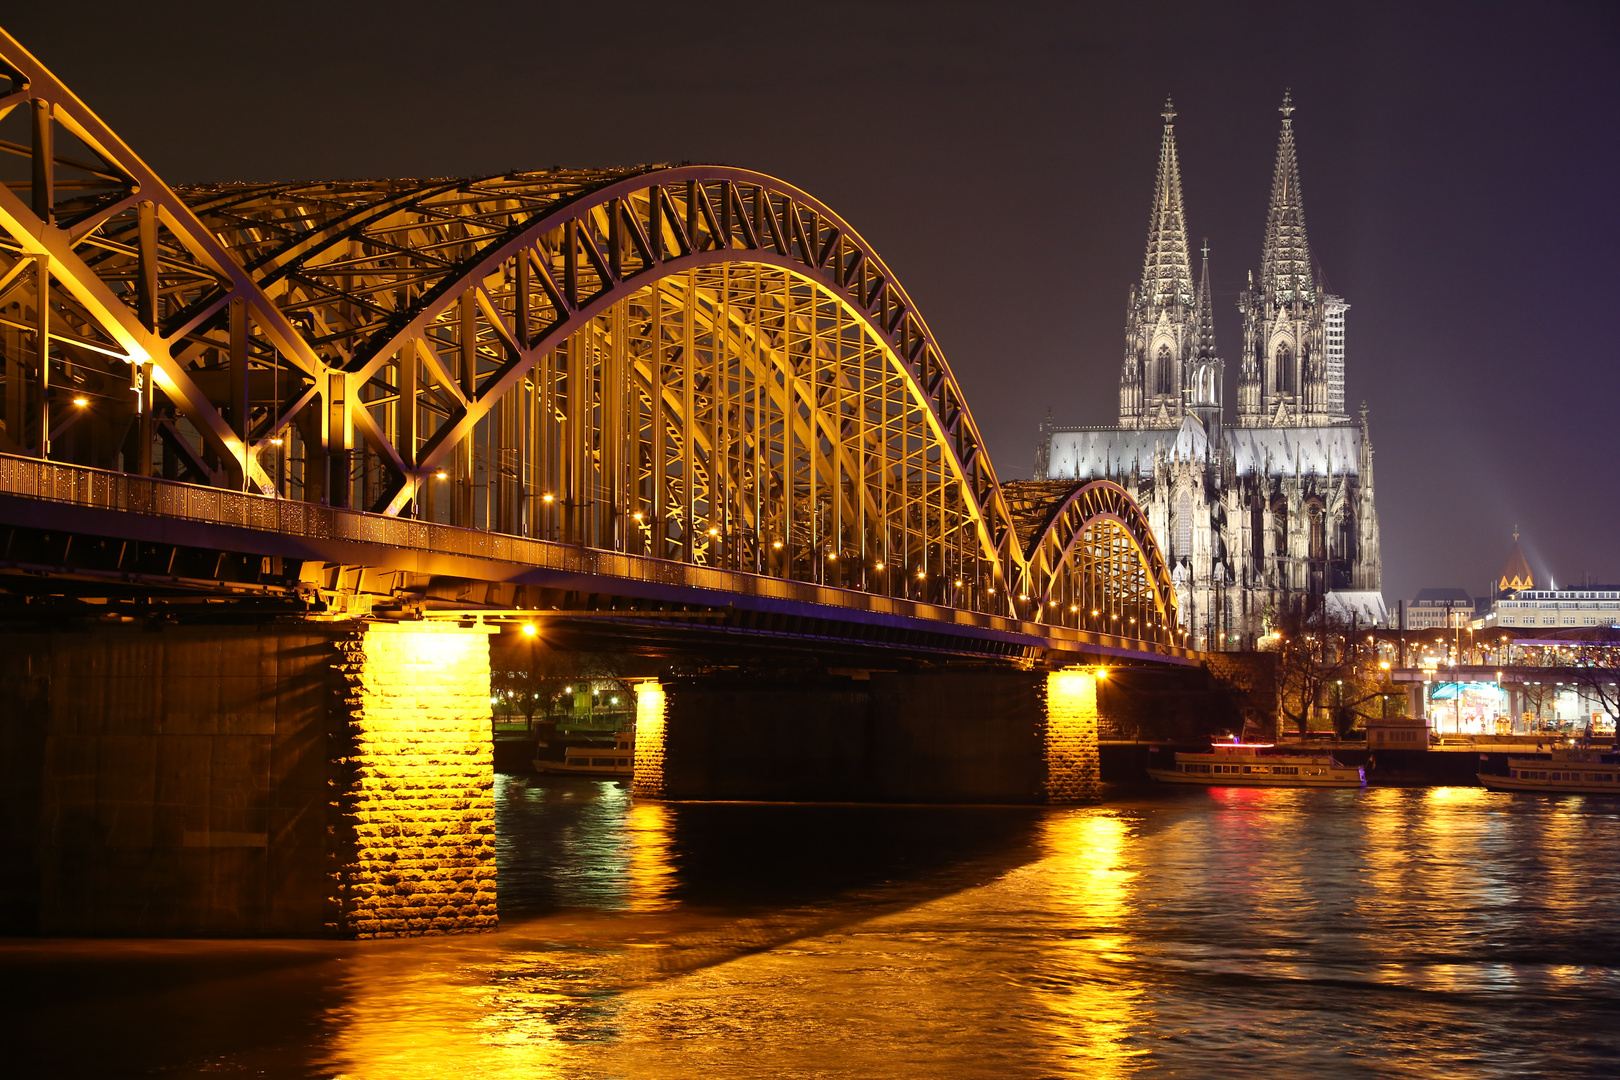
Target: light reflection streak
(651,865)
(1088,985)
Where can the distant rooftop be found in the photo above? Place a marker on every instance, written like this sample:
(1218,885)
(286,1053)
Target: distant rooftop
(1441,597)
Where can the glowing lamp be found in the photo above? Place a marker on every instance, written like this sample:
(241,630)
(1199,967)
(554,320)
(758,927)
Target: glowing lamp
(81,401)
(440,475)
(776,544)
(547,497)
(529,629)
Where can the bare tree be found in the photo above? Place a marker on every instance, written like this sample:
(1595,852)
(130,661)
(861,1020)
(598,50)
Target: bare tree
(1324,667)
(1597,672)
(531,678)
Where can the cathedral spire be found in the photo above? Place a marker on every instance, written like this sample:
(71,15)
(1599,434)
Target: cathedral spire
(1166,272)
(1206,312)
(1285,260)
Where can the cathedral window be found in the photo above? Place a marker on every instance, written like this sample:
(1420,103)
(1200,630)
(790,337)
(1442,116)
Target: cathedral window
(1184,525)
(1318,533)
(1164,361)
(1284,371)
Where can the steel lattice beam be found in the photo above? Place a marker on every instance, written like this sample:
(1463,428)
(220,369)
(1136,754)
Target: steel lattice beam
(700,363)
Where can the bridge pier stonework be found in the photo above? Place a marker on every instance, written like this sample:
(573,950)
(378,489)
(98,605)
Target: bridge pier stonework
(963,736)
(290,778)
(415,811)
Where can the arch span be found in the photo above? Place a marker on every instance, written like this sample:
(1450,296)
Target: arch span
(700,363)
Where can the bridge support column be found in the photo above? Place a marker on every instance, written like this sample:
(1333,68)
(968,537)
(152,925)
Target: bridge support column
(1073,764)
(416,798)
(299,779)
(942,736)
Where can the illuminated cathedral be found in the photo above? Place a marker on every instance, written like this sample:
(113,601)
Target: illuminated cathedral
(1266,512)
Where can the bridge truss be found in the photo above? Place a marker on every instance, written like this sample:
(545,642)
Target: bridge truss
(700,364)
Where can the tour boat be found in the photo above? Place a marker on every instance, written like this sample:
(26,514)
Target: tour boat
(1248,764)
(593,760)
(1576,771)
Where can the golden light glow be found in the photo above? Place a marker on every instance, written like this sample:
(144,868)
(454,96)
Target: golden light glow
(714,532)
(81,401)
(880,566)
(441,475)
(648,778)
(547,497)
(776,543)
(530,630)
(1095,1007)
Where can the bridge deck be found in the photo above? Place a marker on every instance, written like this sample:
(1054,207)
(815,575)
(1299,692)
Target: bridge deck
(77,499)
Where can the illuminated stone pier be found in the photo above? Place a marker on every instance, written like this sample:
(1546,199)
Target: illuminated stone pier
(293,778)
(415,813)
(973,736)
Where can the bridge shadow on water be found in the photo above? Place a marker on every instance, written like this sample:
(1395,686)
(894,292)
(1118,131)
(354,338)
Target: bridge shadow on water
(718,880)
(599,894)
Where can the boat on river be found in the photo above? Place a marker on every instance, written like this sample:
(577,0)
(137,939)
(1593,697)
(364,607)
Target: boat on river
(1569,771)
(1255,765)
(593,760)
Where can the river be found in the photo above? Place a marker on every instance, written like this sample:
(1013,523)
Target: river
(1401,932)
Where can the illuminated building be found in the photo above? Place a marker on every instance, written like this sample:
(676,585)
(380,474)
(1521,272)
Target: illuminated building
(1274,512)
(1439,608)
(1594,605)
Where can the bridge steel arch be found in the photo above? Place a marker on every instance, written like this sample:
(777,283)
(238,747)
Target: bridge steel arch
(700,363)
(1091,558)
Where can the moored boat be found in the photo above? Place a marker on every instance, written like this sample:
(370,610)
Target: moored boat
(1250,764)
(1568,771)
(593,760)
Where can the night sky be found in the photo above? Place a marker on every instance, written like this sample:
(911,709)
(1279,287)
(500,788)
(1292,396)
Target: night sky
(1459,168)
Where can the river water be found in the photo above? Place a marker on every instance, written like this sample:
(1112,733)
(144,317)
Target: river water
(1438,932)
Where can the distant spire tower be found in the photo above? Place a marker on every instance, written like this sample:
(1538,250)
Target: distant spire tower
(1161,317)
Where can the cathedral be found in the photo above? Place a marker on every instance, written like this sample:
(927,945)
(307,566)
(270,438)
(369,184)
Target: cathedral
(1265,513)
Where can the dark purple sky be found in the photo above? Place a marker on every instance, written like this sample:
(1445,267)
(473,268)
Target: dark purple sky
(1460,161)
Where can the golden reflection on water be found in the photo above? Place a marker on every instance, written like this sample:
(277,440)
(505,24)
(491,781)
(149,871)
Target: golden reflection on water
(1090,990)
(651,867)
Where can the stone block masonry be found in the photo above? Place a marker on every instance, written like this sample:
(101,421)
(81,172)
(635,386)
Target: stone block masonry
(299,779)
(1073,765)
(416,810)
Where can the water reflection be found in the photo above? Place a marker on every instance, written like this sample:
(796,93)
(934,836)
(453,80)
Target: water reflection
(1224,932)
(1088,980)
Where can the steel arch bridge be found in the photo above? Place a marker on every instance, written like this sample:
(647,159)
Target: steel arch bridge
(698,364)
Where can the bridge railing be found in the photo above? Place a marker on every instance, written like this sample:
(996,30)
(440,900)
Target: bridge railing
(80,485)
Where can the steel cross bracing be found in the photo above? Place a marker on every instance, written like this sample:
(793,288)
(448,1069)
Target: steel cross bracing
(698,363)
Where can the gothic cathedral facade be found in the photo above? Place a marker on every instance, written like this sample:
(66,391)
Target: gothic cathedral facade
(1267,512)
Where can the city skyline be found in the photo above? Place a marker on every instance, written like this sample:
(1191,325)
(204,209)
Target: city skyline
(1455,167)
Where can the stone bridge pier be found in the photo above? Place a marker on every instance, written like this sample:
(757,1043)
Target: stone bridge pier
(942,736)
(284,779)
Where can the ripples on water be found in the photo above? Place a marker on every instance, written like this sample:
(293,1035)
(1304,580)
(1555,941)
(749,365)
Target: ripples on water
(1389,932)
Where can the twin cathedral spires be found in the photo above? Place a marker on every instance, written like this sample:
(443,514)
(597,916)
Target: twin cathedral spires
(1292,369)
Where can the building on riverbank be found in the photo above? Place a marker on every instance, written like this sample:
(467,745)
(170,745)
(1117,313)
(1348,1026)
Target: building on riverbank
(1268,515)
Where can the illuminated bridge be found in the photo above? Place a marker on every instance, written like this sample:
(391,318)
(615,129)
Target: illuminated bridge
(690,398)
